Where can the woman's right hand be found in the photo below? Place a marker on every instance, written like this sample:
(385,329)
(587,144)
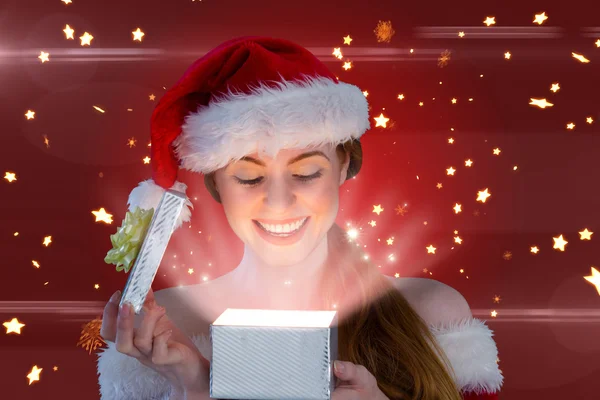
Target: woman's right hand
(156,343)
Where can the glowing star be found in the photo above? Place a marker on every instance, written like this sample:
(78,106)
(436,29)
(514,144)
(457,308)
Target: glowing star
(483,195)
(146,160)
(580,58)
(67,1)
(137,35)
(430,249)
(421,104)
(507,55)
(570,126)
(55,368)
(365,93)
(534,250)
(594,279)
(13,326)
(439,185)
(461,34)
(381,120)
(586,235)
(96,286)
(401,210)
(131,142)
(541,103)
(451,140)
(450,171)
(559,243)
(377,209)
(494,313)
(597,43)
(373,223)
(390,241)
(152,97)
(457,208)
(34,374)
(86,39)
(35,264)
(337,52)
(468,163)
(190,271)
(497,151)
(400,97)
(347,40)
(69,32)
(347,65)
(103,216)
(490,21)
(497,299)
(555,87)
(589,120)
(10,177)
(44,56)
(47,241)
(30,114)
(454,101)
(457,239)
(540,18)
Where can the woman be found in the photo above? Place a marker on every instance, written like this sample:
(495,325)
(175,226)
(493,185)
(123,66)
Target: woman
(275,135)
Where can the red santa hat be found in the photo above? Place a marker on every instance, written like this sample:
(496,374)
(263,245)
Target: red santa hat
(250,94)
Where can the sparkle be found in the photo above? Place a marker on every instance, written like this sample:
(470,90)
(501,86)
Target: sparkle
(69,32)
(152,97)
(534,249)
(347,65)
(102,216)
(457,208)
(494,313)
(490,21)
(377,209)
(381,120)
(47,241)
(589,120)
(580,58)
(347,40)
(586,235)
(10,177)
(400,97)
(541,103)
(34,374)
(555,87)
(86,39)
(450,171)
(570,126)
(384,31)
(44,56)
(507,55)
(468,163)
(594,279)
(559,243)
(483,195)
(13,326)
(540,18)
(496,151)
(30,114)
(137,35)
(431,249)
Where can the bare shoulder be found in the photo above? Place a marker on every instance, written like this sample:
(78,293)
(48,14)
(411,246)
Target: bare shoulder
(436,302)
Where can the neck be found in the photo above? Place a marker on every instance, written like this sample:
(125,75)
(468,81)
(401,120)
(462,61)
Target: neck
(285,287)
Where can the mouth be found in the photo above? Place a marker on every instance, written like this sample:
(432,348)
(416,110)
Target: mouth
(282,230)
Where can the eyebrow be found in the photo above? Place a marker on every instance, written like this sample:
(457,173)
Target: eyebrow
(293,160)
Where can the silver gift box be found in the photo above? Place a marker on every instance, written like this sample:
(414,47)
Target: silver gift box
(273,354)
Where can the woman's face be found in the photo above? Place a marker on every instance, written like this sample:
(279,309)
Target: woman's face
(282,207)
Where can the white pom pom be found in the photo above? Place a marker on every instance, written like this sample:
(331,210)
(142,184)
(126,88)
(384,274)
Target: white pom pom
(147,195)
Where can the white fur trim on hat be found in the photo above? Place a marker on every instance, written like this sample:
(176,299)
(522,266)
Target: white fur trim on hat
(122,377)
(472,352)
(295,114)
(147,195)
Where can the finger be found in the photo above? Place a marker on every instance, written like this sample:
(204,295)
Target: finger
(344,393)
(161,354)
(145,333)
(108,331)
(124,341)
(150,296)
(354,375)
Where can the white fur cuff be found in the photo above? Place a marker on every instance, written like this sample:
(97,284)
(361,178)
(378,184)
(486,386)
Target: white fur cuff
(472,352)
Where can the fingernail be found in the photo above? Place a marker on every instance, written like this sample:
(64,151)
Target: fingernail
(339,367)
(115,297)
(125,310)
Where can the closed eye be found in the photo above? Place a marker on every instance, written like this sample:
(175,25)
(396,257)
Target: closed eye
(256,181)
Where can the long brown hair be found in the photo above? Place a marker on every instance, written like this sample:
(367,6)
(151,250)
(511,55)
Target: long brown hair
(377,327)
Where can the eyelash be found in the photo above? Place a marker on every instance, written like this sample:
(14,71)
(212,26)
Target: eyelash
(254,182)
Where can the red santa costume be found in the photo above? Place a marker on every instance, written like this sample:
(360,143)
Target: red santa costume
(257,94)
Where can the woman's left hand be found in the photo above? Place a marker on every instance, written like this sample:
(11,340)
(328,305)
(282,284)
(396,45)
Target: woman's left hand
(355,382)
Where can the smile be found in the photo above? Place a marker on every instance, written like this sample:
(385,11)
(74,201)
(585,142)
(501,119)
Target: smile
(282,230)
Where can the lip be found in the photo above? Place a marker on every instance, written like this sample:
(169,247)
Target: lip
(281,241)
(279,222)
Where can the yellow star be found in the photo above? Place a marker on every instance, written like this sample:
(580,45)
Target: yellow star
(534,249)
(137,35)
(541,103)
(457,208)
(377,209)
(67,1)
(586,235)
(580,58)
(96,286)
(457,239)
(10,177)
(570,125)
(430,249)
(347,65)
(490,21)
(468,163)
(497,151)
(589,120)
(454,101)
(365,93)
(146,160)
(102,215)
(13,326)
(347,40)
(421,103)
(373,223)
(450,140)
(540,18)
(86,39)
(594,279)
(190,271)
(483,195)
(337,52)
(559,243)
(44,56)
(381,120)
(34,375)
(450,171)
(396,275)
(401,97)
(555,87)
(152,97)
(439,185)
(461,34)
(494,313)
(390,241)
(47,240)
(30,114)
(597,43)
(69,32)
(507,55)
(55,368)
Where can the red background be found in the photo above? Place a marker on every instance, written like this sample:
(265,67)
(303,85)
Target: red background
(547,328)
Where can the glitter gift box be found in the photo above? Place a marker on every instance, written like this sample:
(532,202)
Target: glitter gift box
(273,354)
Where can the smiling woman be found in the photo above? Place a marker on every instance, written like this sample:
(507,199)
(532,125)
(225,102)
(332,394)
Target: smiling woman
(275,150)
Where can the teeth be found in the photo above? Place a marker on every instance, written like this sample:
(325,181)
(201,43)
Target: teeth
(287,228)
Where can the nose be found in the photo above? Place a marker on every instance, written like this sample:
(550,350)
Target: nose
(279,195)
